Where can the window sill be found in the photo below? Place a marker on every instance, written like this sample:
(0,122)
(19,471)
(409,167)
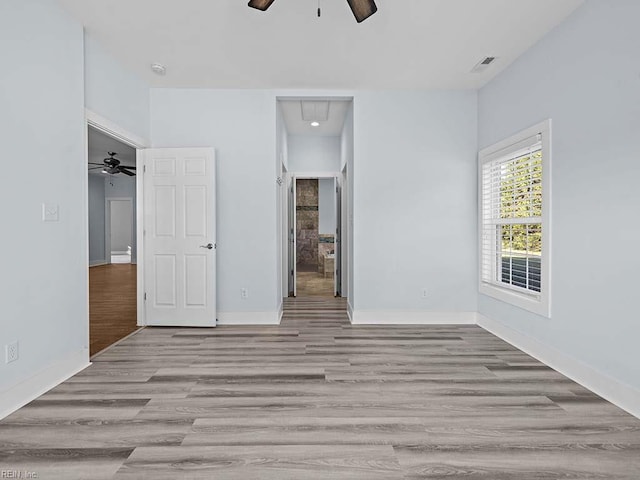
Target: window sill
(539,306)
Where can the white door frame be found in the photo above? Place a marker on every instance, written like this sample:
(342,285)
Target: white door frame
(284,212)
(337,239)
(297,176)
(294,234)
(113,130)
(107,223)
(345,233)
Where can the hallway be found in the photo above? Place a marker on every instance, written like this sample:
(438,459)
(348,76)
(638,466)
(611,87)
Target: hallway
(314,284)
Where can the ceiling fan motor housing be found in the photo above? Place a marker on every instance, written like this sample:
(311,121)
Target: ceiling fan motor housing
(362,9)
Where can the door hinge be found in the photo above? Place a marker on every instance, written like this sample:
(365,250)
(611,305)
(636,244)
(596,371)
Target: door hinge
(144,169)
(145,295)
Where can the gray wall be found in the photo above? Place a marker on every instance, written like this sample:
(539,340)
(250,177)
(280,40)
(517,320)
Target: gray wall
(114,92)
(327,206)
(346,160)
(43,287)
(313,154)
(584,76)
(281,206)
(96,220)
(240,124)
(100,188)
(43,290)
(414,199)
(416,148)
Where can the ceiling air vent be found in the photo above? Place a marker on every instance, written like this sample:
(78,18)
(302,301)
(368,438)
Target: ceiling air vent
(315,110)
(483,64)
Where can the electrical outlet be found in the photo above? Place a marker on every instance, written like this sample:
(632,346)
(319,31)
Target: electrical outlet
(244,293)
(11,351)
(50,212)
(425,293)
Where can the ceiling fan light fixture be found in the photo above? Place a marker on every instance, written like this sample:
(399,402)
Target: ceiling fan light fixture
(260,4)
(362,9)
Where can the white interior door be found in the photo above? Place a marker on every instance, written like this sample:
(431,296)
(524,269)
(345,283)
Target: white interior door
(118,230)
(180,237)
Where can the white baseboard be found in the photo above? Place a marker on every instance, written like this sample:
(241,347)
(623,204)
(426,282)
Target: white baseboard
(30,389)
(411,317)
(249,318)
(618,393)
(97,263)
(350,311)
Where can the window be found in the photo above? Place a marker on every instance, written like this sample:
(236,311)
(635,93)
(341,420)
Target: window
(514,219)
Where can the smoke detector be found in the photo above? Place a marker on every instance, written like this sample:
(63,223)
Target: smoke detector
(158,69)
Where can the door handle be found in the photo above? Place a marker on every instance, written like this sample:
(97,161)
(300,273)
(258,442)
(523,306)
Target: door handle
(208,246)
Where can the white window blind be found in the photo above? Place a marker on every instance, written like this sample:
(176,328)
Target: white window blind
(512,218)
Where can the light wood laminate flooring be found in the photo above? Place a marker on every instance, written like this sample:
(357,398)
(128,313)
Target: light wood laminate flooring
(314,284)
(317,398)
(112,304)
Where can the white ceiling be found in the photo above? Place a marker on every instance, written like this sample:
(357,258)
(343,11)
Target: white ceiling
(100,144)
(407,44)
(292,113)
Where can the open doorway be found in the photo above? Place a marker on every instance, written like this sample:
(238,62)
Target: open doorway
(314,139)
(316,245)
(111,170)
(120,238)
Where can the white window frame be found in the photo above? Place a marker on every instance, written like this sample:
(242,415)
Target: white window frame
(539,303)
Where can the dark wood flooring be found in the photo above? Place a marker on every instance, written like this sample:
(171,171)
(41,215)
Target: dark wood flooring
(317,398)
(112,304)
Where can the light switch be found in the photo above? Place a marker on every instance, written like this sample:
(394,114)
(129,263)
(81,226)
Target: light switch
(50,212)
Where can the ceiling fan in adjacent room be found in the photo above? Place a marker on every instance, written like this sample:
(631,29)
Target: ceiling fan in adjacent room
(112,166)
(362,9)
